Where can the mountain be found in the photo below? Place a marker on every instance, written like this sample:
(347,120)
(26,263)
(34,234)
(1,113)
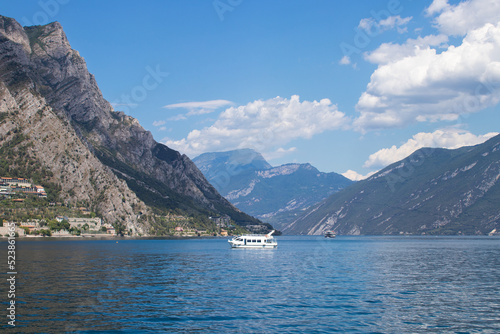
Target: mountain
(215,166)
(53,117)
(433,191)
(273,194)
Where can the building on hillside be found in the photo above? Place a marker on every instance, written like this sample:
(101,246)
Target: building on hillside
(257,228)
(9,185)
(17,182)
(5,189)
(109,229)
(30,226)
(4,230)
(94,224)
(222,221)
(61,218)
(84,210)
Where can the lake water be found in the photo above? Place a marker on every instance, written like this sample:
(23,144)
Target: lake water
(306,285)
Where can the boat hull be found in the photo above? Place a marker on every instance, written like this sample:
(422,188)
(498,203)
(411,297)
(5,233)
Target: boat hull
(270,246)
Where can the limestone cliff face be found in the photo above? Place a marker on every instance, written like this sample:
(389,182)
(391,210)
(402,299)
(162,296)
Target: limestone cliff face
(62,110)
(51,141)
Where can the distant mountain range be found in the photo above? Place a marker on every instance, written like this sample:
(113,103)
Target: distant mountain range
(276,195)
(56,127)
(433,191)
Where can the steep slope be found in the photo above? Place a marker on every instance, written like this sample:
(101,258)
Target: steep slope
(37,63)
(273,194)
(36,142)
(433,191)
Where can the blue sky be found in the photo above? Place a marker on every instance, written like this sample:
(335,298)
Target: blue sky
(343,85)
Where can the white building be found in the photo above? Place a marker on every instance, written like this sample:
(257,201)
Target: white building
(94,224)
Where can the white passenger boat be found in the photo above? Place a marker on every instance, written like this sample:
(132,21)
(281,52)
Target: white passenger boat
(260,241)
(330,234)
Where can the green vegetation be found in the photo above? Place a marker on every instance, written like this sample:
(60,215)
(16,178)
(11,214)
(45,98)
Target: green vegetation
(165,202)
(36,208)
(55,225)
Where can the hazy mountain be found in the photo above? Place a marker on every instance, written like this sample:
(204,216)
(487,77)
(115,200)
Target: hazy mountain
(273,194)
(433,191)
(53,115)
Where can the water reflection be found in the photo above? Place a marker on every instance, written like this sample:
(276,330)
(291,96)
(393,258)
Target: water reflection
(360,284)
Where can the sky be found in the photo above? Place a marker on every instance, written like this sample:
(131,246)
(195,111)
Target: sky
(347,86)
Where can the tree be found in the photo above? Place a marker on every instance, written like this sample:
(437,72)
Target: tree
(119,228)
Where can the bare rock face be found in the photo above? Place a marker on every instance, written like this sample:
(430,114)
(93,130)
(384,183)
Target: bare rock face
(94,151)
(53,143)
(13,31)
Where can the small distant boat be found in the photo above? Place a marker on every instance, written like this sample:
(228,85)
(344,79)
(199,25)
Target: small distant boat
(259,241)
(330,234)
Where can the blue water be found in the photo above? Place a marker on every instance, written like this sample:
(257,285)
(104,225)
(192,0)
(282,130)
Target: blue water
(307,285)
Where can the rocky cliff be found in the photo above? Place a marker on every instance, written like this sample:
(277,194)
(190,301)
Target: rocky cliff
(93,152)
(433,191)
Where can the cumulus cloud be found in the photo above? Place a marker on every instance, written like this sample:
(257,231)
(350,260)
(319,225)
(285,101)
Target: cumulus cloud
(448,138)
(459,19)
(437,6)
(263,125)
(427,80)
(389,52)
(424,85)
(355,176)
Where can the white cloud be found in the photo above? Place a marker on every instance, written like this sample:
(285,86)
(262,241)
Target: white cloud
(278,153)
(262,125)
(447,138)
(198,108)
(373,27)
(437,6)
(424,85)
(178,117)
(355,176)
(345,60)
(458,20)
(389,52)
(159,123)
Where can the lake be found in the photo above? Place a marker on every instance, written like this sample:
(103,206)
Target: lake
(307,285)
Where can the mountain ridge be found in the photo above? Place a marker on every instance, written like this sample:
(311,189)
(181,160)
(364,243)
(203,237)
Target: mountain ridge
(41,72)
(273,194)
(432,191)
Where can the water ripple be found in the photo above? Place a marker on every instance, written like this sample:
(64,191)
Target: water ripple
(307,285)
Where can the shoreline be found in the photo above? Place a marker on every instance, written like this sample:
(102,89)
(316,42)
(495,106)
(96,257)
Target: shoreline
(104,237)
